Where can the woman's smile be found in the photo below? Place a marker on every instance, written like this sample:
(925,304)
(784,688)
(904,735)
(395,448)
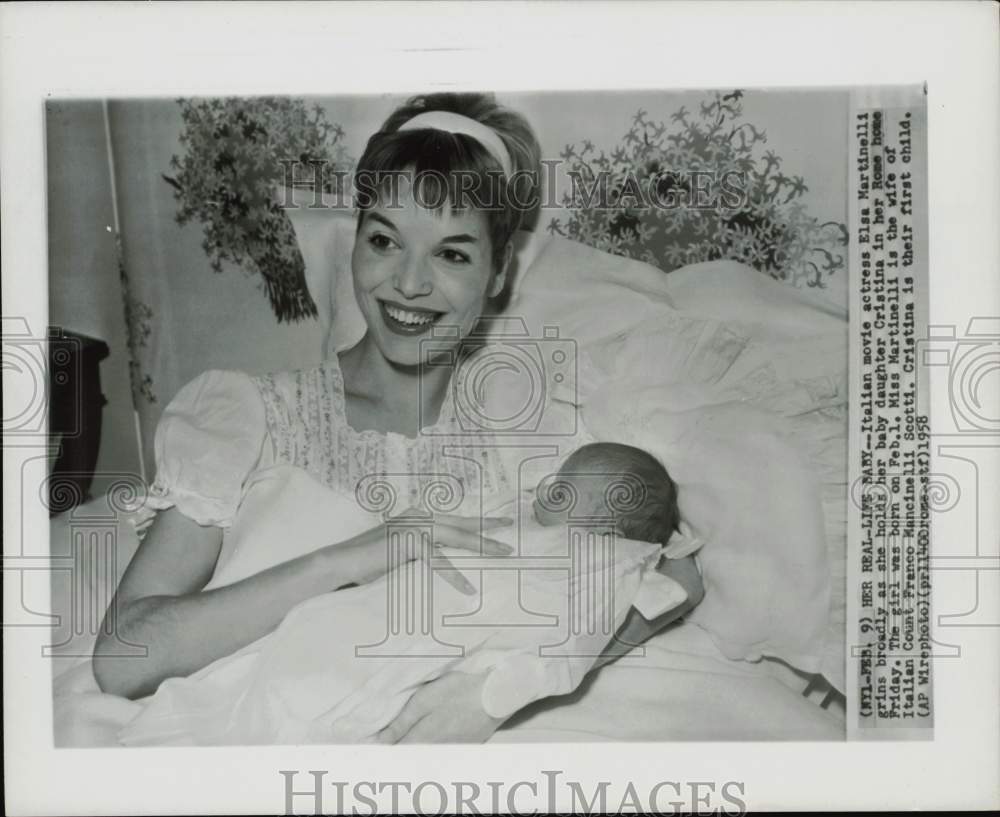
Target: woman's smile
(408,320)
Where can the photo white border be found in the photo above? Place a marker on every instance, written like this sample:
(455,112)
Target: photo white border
(97,50)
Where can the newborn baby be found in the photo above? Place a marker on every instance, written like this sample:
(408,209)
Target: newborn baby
(342,665)
(620,484)
(637,493)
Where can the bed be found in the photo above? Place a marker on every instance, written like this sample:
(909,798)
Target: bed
(688,683)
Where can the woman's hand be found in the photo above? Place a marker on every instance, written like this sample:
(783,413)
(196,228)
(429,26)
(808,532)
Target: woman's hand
(446,710)
(463,532)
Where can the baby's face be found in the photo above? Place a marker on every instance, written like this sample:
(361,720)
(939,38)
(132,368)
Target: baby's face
(557,495)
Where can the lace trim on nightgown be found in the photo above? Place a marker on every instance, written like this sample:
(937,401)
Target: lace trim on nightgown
(442,469)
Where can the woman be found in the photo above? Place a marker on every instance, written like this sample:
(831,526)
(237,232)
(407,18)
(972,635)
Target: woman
(433,248)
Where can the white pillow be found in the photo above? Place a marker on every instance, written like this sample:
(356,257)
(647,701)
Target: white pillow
(326,240)
(757,505)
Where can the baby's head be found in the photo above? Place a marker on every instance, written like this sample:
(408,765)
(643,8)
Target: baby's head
(612,481)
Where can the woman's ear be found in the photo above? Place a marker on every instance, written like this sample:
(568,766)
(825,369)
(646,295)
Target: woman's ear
(500,277)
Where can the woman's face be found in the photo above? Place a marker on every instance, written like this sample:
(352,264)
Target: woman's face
(415,269)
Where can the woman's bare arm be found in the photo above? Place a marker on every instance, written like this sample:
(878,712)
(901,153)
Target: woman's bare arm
(159,605)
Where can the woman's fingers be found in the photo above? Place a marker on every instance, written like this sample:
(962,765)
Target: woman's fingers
(401,726)
(427,698)
(439,563)
(444,710)
(447,535)
(450,574)
(427,730)
(474,523)
(463,533)
(469,523)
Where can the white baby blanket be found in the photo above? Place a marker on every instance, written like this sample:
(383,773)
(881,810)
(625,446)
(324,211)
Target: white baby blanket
(342,665)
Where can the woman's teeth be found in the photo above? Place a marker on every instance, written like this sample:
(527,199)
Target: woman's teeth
(410,318)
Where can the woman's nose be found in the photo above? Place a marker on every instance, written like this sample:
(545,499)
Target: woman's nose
(414,279)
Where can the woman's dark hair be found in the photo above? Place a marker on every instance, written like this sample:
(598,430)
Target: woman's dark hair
(654,515)
(436,157)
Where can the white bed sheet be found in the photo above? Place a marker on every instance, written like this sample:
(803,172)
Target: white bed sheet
(681,689)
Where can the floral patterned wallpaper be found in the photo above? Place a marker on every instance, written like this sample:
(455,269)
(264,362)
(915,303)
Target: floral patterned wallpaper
(766,226)
(235,153)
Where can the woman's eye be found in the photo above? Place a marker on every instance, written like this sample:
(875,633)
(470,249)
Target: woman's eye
(380,241)
(454,256)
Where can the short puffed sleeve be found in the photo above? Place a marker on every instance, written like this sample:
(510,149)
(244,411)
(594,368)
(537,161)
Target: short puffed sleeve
(209,440)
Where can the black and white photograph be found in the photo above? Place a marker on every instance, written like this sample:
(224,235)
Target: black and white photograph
(360,366)
(365,417)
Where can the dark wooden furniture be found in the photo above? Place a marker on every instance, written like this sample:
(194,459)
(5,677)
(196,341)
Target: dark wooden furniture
(75,407)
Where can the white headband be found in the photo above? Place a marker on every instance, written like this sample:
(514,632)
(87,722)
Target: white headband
(456,123)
